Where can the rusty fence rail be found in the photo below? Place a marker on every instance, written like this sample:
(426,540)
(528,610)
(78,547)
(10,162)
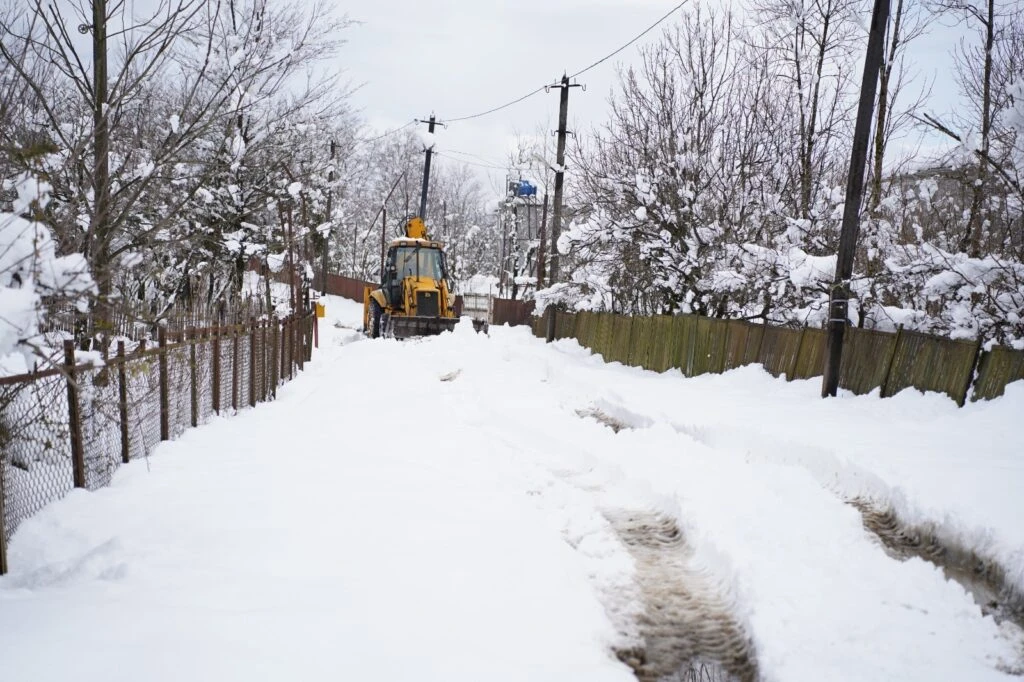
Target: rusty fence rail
(886,362)
(72,426)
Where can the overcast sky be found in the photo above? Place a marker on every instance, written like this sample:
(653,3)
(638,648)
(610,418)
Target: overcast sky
(460,57)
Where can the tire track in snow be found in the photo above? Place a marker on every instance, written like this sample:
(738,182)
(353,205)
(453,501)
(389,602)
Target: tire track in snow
(688,627)
(983,578)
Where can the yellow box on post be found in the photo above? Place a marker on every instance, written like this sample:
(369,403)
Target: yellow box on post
(320,309)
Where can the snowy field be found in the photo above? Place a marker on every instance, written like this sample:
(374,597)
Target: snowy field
(468,508)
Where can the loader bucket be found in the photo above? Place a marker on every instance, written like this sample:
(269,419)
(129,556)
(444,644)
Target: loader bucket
(404,327)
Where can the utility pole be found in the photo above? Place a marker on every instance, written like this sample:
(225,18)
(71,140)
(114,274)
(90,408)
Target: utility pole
(839,299)
(556,221)
(540,252)
(98,246)
(330,217)
(426,167)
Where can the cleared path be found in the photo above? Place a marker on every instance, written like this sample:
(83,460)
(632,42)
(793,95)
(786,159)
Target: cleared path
(459,508)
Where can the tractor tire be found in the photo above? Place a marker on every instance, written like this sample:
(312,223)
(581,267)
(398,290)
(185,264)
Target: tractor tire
(373,326)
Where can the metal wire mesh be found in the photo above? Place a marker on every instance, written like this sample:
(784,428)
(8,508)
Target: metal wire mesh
(227,374)
(244,370)
(34,446)
(261,364)
(99,404)
(179,379)
(143,385)
(36,457)
(204,375)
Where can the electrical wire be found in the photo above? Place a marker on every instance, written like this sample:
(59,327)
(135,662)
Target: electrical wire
(472,163)
(578,73)
(498,108)
(638,37)
(475,156)
(386,134)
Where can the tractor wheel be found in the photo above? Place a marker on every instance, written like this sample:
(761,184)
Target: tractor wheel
(373,329)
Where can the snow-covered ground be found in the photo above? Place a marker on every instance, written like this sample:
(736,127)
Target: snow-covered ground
(469,507)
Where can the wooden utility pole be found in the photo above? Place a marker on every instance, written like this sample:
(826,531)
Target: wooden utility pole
(426,168)
(839,300)
(556,221)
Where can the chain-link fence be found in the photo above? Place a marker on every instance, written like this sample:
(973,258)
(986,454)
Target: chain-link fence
(73,426)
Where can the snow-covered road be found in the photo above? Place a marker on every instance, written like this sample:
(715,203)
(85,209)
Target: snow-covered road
(493,508)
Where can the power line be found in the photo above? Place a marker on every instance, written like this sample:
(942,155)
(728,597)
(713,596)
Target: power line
(638,37)
(498,108)
(475,156)
(472,163)
(578,73)
(386,134)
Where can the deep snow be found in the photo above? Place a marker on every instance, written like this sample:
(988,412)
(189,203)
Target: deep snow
(449,509)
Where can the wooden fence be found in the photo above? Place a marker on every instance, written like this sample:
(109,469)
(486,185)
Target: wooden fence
(73,425)
(511,312)
(886,361)
(346,287)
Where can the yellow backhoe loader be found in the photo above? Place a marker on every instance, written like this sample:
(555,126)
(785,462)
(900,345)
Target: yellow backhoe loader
(415,296)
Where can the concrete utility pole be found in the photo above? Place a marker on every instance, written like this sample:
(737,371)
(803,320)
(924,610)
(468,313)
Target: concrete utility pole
(426,168)
(330,217)
(556,221)
(543,243)
(98,245)
(839,303)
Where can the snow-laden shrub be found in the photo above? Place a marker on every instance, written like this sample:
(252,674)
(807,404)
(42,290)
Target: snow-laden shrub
(31,272)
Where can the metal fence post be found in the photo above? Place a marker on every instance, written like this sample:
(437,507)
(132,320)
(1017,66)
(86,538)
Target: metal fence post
(234,368)
(252,362)
(74,416)
(122,399)
(215,387)
(165,389)
(193,338)
(3,525)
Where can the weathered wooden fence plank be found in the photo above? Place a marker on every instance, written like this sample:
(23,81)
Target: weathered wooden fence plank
(997,368)
(866,356)
(810,360)
(929,363)
(779,349)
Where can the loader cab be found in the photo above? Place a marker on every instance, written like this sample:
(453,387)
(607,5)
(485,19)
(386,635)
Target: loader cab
(411,260)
